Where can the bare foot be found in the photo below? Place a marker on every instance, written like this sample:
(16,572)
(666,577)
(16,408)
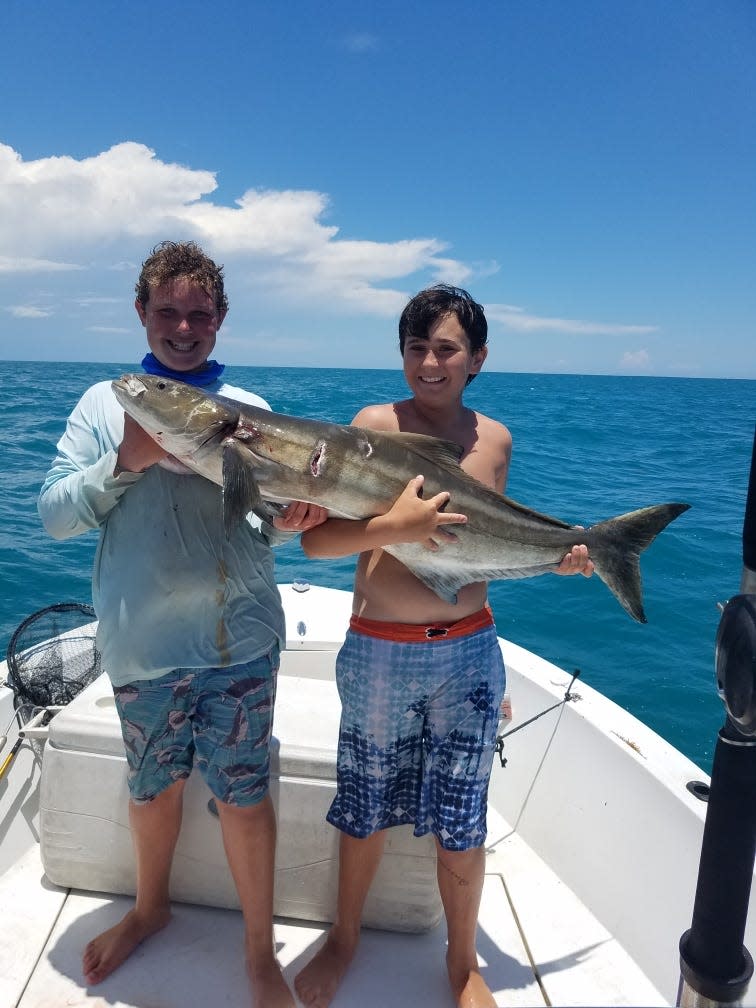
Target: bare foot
(475,993)
(269,989)
(108,950)
(317,983)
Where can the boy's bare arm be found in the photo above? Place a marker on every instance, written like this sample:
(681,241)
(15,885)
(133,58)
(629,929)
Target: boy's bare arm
(410,519)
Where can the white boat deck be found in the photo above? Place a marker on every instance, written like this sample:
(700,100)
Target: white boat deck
(538,945)
(587,790)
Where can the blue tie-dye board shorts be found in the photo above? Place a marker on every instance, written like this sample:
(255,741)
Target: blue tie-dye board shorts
(222,717)
(417,736)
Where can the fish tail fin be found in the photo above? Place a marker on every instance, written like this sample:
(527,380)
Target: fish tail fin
(616,544)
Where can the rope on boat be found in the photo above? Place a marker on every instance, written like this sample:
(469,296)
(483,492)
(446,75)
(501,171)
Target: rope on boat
(568,695)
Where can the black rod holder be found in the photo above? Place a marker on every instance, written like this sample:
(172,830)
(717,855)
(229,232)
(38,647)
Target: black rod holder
(715,965)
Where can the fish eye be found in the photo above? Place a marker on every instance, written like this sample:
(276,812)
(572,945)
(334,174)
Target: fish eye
(161,385)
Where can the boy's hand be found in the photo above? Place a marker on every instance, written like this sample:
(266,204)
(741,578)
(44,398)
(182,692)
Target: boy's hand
(417,520)
(300,516)
(137,450)
(576,561)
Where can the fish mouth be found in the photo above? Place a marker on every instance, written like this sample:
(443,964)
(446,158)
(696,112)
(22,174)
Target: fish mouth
(130,385)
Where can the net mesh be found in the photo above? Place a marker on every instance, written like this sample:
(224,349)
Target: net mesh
(52,655)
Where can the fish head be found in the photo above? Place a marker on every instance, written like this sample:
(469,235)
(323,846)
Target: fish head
(180,417)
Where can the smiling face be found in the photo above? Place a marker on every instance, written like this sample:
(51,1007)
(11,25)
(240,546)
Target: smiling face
(439,366)
(181,321)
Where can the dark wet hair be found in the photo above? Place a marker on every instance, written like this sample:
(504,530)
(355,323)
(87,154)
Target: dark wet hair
(434,303)
(170,260)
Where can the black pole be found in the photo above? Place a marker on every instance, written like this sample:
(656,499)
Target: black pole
(715,966)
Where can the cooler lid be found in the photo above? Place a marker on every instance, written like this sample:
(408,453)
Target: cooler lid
(305,725)
(89,723)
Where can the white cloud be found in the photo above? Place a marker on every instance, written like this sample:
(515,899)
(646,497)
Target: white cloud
(360,42)
(124,190)
(61,214)
(635,360)
(22,264)
(123,267)
(517,319)
(56,205)
(28,311)
(87,301)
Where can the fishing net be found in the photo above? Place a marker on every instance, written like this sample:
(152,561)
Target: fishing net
(52,655)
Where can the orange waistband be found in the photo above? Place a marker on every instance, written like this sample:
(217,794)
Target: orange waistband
(416,633)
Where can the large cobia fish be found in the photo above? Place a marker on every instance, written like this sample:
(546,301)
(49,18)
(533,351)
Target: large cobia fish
(257,457)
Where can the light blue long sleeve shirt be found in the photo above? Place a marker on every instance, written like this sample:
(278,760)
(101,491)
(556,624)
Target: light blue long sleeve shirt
(169,588)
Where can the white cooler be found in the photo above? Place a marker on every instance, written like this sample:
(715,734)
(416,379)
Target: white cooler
(85,839)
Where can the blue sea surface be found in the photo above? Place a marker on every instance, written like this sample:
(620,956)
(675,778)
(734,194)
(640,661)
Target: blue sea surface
(585,448)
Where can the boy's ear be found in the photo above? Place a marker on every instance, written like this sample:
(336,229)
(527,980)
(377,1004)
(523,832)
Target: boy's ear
(478,357)
(141,312)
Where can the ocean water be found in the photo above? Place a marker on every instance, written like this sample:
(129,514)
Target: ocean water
(585,448)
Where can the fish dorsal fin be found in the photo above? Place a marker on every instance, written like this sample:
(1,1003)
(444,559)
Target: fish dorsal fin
(446,455)
(437,450)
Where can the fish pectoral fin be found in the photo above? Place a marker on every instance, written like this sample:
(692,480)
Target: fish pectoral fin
(241,493)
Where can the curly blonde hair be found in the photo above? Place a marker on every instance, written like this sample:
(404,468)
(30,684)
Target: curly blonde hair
(169,260)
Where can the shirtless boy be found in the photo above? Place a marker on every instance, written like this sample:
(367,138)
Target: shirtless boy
(452,680)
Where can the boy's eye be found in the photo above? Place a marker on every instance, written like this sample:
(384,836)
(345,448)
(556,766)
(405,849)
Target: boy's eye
(195,317)
(422,348)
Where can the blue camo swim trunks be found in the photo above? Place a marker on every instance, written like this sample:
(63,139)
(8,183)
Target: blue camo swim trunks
(417,735)
(221,716)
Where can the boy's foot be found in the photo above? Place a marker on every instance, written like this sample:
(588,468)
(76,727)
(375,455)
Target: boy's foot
(318,982)
(269,989)
(475,993)
(108,950)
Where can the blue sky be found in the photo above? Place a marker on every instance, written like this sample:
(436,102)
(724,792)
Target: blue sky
(586,169)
